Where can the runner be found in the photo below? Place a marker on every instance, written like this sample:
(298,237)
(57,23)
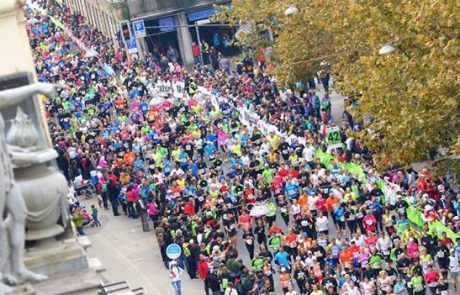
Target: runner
(228,145)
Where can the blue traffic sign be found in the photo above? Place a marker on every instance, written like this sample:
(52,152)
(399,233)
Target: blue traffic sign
(139,28)
(131,46)
(173,251)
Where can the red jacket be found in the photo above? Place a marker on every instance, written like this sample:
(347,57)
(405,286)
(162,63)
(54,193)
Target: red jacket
(196,50)
(203,269)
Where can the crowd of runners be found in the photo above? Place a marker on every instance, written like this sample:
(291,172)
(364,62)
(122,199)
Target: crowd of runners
(211,180)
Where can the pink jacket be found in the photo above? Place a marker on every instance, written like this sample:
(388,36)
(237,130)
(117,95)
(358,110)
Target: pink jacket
(412,250)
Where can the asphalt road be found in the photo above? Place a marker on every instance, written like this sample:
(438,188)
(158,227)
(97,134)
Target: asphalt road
(128,253)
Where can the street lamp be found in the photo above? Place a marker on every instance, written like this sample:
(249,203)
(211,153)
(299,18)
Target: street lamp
(291,10)
(386,49)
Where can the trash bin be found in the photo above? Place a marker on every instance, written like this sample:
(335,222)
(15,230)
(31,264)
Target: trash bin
(145,221)
(142,210)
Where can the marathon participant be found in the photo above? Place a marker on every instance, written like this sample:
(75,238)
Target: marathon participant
(202,172)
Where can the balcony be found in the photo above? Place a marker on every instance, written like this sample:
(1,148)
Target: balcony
(146,7)
(176,4)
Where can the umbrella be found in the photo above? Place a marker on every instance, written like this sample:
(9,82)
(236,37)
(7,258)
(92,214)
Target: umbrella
(259,210)
(33,21)
(91,53)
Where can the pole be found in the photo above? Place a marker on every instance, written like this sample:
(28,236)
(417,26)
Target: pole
(193,25)
(127,50)
(199,42)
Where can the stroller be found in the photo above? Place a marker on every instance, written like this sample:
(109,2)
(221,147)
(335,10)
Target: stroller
(83,187)
(87,219)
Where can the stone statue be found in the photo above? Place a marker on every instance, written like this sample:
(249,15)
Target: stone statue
(12,204)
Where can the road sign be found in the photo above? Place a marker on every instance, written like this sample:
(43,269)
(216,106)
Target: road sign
(173,251)
(203,22)
(333,137)
(139,28)
(131,46)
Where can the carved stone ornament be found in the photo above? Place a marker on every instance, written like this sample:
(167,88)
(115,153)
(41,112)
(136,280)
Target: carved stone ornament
(22,132)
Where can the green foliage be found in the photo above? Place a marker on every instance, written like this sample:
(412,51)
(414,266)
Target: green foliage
(410,99)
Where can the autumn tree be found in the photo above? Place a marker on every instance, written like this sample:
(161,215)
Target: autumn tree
(409,98)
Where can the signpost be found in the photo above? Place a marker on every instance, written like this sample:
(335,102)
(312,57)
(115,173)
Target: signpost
(125,31)
(333,137)
(139,29)
(173,251)
(131,46)
(197,24)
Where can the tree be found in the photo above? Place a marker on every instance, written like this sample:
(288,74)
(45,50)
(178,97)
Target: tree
(409,102)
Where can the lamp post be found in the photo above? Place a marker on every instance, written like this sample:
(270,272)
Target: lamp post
(387,49)
(291,10)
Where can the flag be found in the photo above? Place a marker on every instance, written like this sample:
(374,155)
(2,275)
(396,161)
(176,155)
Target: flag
(108,70)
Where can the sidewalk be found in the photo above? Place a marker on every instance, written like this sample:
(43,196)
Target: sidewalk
(129,254)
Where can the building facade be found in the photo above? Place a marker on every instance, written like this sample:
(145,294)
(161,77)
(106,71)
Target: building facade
(175,23)
(102,14)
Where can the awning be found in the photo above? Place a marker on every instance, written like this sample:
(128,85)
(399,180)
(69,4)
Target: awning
(201,14)
(167,24)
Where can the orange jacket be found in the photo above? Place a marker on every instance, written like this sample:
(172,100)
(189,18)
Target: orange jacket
(330,202)
(303,200)
(129,158)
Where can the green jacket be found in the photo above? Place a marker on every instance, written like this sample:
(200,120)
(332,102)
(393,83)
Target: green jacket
(77,219)
(205,47)
(272,207)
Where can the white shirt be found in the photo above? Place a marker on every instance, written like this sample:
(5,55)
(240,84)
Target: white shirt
(360,241)
(245,160)
(384,244)
(158,176)
(353,291)
(175,273)
(265,147)
(296,209)
(312,202)
(322,223)
(454,265)
(308,153)
(177,171)
(230,291)
(314,179)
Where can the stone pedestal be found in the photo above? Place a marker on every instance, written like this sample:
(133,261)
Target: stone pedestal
(53,257)
(43,189)
(66,264)
(82,282)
